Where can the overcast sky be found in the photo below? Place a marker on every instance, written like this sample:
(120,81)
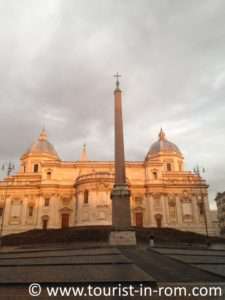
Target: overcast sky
(57,60)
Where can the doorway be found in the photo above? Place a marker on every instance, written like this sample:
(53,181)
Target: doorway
(65,220)
(158,219)
(139,219)
(45,224)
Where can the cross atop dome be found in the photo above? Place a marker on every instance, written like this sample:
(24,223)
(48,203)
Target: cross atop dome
(117,76)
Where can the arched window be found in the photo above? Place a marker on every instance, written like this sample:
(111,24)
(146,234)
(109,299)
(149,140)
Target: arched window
(35,168)
(158,220)
(201,208)
(168,167)
(49,175)
(155,175)
(86,196)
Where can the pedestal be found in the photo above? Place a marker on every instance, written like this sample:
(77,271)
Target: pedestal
(121,217)
(122,234)
(122,238)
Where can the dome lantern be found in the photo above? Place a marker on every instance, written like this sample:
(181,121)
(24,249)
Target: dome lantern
(43,135)
(162,135)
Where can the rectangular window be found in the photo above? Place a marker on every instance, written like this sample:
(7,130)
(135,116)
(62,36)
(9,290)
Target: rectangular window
(138,200)
(157,203)
(31,210)
(16,207)
(169,168)
(86,196)
(36,168)
(47,202)
(201,208)
(1,211)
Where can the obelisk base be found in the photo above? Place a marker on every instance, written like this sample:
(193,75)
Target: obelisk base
(122,238)
(122,234)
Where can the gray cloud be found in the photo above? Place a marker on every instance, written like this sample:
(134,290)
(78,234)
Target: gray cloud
(57,60)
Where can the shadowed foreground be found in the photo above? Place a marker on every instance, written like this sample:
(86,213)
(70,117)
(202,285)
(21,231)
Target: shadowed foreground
(101,234)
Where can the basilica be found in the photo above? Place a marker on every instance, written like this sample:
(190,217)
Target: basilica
(48,192)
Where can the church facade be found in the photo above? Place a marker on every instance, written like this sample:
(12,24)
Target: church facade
(48,192)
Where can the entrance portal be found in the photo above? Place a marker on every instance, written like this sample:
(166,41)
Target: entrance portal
(45,224)
(158,219)
(139,219)
(65,220)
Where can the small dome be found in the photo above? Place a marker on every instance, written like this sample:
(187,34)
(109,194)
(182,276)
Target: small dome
(42,146)
(164,146)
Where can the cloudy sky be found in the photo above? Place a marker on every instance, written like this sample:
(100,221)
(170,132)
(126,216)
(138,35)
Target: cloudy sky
(57,60)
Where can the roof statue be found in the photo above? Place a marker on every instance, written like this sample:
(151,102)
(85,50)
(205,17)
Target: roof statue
(84,156)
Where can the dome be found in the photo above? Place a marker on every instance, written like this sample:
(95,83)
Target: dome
(164,146)
(42,146)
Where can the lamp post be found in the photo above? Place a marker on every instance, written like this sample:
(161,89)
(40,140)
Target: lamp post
(9,167)
(198,170)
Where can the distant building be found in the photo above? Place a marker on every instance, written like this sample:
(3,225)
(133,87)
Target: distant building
(215,221)
(220,202)
(48,192)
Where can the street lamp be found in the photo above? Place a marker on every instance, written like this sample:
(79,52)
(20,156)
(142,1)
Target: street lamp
(9,167)
(198,170)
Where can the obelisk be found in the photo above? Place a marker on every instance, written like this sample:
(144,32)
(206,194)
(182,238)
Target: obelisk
(122,234)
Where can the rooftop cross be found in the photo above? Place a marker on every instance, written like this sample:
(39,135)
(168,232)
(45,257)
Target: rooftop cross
(117,76)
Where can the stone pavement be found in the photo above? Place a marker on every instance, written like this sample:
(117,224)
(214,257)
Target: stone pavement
(165,269)
(212,261)
(81,266)
(96,266)
(106,267)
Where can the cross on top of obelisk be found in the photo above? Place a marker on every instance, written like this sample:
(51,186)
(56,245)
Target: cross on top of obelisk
(117,76)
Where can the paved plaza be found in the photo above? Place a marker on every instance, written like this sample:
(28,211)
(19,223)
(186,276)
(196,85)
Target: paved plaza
(107,266)
(212,261)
